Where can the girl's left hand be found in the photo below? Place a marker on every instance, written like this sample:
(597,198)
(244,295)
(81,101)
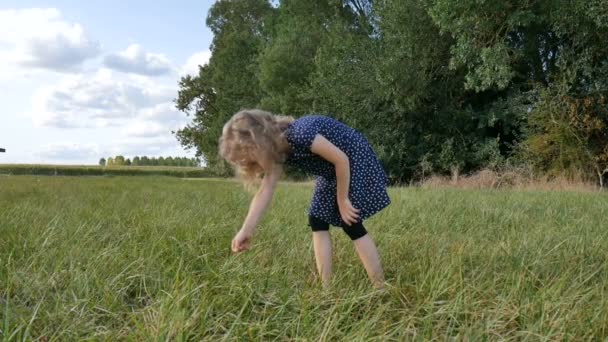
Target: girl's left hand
(348,213)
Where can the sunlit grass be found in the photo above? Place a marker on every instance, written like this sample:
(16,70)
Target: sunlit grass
(142,258)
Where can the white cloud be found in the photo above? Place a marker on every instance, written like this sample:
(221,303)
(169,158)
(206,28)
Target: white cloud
(146,129)
(69,151)
(164,112)
(193,62)
(148,146)
(99,100)
(139,109)
(135,60)
(119,104)
(41,38)
(157,121)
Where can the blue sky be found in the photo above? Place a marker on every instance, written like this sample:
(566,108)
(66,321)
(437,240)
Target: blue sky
(84,79)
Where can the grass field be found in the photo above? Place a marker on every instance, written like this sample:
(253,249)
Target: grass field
(147,258)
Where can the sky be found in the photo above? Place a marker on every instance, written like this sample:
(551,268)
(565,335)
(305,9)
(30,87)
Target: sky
(81,80)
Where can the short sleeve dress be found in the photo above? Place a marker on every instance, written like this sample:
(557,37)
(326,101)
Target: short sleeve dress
(368,182)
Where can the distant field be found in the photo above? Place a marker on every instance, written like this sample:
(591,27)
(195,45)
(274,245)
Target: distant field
(96,170)
(147,258)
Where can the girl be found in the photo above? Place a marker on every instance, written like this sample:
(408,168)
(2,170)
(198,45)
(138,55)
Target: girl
(350,184)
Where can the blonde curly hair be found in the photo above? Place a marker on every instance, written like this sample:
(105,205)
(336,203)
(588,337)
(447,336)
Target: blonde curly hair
(253,141)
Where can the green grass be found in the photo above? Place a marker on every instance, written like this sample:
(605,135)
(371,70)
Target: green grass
(147,258)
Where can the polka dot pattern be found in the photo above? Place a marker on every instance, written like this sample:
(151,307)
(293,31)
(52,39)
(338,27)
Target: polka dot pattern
(367,178)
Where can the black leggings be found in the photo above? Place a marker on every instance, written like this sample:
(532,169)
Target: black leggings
(354,232)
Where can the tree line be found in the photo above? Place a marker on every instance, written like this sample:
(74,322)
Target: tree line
(437,86)
(149,161)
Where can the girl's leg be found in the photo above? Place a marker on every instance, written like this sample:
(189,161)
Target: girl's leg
(322,245)
(367,251)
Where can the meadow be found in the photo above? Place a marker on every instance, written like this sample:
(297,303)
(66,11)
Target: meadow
(147,258)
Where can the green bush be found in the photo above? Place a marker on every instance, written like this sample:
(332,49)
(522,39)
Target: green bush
(83,170)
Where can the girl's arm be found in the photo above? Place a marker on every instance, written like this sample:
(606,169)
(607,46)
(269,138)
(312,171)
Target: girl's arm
(258,206)
(333,154)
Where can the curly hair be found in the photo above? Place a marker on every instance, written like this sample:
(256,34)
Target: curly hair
(253,141)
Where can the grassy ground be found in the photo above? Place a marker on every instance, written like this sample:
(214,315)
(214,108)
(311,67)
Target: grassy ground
(142,258)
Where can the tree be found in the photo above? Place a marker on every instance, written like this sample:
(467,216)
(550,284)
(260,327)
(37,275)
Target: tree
(570,135)
(546,58)
(136,160)
(119,160)
(228,83)
(102,162)
(437,86)
(287,60)
(110,161)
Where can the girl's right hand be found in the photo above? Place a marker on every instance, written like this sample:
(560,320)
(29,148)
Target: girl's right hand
(241,241)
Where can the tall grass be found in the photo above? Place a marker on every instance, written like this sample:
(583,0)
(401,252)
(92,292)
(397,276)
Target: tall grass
(141,258)
(512,179)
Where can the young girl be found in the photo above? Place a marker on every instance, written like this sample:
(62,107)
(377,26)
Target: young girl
(350,184)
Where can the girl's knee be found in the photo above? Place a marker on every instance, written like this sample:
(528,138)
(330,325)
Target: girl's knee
(355,231)
(317,225)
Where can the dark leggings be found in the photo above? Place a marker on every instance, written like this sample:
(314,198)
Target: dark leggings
(354,232)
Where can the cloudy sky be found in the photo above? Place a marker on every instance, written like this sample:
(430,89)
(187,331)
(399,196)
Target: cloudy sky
(84,79)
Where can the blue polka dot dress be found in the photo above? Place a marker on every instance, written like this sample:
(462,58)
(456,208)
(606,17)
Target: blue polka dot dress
(367,191)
